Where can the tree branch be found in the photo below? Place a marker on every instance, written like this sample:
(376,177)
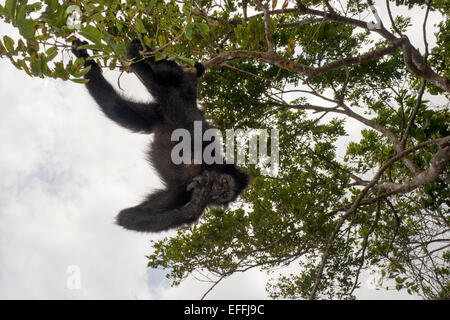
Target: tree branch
(392,19)
(438,164)
(347,111)
(307,21)
(371,55)
(271,58)
(364,246)
(270,46)
(413,59)
(413,115)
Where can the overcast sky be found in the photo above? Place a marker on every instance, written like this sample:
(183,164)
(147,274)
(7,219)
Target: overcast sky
(66,171)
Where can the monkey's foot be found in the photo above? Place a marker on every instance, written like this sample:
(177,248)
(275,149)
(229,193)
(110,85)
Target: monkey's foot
(134,49)
(200,69)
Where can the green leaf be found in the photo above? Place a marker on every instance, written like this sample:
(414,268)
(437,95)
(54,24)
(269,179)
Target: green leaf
(149,43)
(44,67)
(188,32)
(15,64)
(119,25)
(76,65)
(83,72)
(60,72)
(9,43)
(20,12)
(140,27)
(36,67)
(27,27)
(119,48)
(112,4)
(2,49)
(33,7)
(189,61)
(91,33)
(239,32)
(112,65)
(160,56)
(10,6)
(21,46)
(51,53)
(80,80)
(203,27)
(150,6)
(52,5)
(24,66)
(161,40)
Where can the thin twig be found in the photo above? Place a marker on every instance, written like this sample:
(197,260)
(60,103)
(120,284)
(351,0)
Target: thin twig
(424,29)
(118,80)
(392,19)
(365,241)
(269,39)
(413,114)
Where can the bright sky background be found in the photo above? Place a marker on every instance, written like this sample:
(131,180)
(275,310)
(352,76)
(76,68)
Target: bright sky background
(66,171)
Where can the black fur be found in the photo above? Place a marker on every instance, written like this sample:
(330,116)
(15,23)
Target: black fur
(189,188)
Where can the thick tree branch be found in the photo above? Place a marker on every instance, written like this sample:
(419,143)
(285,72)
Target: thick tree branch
(416,64)
(414,61)
(371,55)
(270,58)
(306,21)
(437,166)
(287,64)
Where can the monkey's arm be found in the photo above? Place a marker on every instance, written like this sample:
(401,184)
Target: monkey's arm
(156,214)
(168,209)
(137,117)
(172,87)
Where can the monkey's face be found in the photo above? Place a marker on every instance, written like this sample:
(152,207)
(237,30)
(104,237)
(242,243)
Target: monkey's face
(223,189)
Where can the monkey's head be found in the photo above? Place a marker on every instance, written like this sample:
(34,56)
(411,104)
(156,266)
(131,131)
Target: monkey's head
(228,184)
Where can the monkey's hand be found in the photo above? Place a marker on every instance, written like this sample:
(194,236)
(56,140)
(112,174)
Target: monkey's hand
(79,53)
(201,187)
(82,53)
(199,201)
(201,180)
(197,182)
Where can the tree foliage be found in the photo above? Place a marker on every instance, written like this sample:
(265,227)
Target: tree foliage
(309,69)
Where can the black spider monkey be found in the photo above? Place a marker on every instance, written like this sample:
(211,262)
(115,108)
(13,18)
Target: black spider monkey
(189,188)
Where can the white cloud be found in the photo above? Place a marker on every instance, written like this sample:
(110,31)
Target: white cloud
(66,172)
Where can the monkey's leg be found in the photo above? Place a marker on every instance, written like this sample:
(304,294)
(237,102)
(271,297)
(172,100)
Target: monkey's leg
(137,117)
(159,77)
